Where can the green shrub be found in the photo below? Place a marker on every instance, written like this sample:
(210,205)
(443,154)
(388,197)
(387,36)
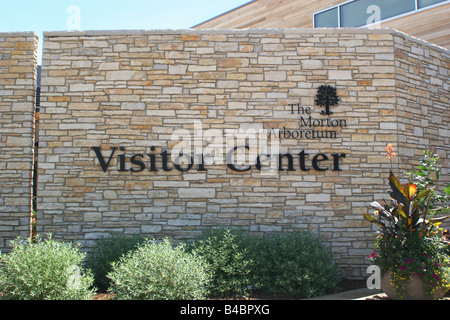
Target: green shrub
(108,250)
(44,269)
(227,259)
(158,270)
(296,263)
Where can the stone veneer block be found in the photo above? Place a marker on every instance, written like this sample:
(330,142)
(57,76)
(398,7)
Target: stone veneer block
(134,89)
(18,62)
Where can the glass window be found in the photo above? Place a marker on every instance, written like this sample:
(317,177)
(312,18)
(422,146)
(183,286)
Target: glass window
(326,19)
(361,12)
(426,3)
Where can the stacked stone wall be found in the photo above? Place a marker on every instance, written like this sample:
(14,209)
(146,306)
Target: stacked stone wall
(422,102)
(112,102)
(18,62)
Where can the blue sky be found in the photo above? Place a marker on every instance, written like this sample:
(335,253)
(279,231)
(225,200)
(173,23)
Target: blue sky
(55,15)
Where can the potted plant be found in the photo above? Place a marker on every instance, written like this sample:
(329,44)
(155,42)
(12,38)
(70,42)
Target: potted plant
(411,250)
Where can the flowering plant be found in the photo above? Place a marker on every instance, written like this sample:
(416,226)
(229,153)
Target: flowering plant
(410,239)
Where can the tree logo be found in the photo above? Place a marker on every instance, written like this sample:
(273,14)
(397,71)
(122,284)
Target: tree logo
(326,97)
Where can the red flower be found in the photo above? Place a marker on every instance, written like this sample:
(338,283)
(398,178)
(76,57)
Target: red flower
(390,151)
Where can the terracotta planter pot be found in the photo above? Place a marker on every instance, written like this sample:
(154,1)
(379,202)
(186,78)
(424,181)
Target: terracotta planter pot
(415,289)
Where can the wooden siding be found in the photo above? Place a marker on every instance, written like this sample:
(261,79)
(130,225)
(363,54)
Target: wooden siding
(431,25)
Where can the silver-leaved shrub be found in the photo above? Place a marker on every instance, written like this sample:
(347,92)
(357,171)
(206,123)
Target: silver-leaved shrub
(159,270)
(44,269)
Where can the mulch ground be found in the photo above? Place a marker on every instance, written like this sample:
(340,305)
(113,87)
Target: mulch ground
(344,285)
